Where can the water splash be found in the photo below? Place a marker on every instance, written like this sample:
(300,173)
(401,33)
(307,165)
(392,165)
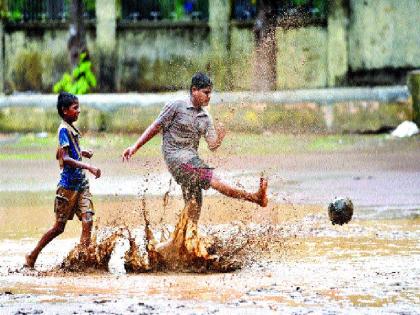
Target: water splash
(184,249)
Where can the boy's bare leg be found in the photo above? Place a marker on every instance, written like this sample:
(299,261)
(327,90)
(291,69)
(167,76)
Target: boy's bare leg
(87,223)
(259,197)
(193,193)
(52,233)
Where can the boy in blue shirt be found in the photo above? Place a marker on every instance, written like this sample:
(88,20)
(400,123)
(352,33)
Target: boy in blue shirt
(73,196)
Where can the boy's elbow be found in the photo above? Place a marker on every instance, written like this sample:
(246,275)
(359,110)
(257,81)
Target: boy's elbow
(67,160)
(213,146)
(213,142)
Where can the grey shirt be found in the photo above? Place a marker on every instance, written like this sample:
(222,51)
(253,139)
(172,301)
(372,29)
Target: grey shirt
(183,125)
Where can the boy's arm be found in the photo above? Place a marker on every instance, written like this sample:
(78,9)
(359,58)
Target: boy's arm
(67,160)
(87,153)
(165,117)
(148,134)
(215,136)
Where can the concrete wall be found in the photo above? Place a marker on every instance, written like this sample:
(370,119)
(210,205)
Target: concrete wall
(1,58)
(384,33)
(154,59)
(106,28)
(219,22)
(35,59)
(337,43)
(33,62)
(301,58)
(359,35)
(242,43)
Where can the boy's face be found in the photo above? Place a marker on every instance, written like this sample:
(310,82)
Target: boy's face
(201,97)
(72,112)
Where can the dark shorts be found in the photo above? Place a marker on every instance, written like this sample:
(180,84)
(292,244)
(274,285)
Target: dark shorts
(70,202)
(193,177)
(195,173)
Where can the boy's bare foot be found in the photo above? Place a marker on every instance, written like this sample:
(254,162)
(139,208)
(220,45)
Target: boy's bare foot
(262,193)
(29,262)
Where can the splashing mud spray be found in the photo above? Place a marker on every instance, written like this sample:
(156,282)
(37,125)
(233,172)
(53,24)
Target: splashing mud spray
(184,250)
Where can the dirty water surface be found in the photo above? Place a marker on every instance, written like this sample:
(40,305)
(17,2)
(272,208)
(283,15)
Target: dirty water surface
(284,259)
(290,259)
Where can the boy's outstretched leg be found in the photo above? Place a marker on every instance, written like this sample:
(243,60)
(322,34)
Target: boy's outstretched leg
(259,197)
(52,233)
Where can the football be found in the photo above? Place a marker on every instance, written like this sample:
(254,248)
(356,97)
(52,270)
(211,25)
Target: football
(340,211)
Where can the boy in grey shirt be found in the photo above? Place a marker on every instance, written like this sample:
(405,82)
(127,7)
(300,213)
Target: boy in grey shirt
(183,123)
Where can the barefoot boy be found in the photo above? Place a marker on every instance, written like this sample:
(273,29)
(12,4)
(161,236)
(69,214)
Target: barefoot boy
(183,122)
(73,196)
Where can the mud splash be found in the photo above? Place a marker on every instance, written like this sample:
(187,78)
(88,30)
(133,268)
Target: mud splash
(139,251)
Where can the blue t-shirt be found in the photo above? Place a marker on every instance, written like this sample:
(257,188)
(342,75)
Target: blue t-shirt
(71,178)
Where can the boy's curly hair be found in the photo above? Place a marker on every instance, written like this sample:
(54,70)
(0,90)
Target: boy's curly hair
(200,80)
(65,99)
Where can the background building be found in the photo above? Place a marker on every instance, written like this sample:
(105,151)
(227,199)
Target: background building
(155,45)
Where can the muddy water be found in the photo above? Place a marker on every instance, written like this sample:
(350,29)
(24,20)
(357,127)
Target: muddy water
(294,261)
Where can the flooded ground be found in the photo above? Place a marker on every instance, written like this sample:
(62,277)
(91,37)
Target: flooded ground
(294,260)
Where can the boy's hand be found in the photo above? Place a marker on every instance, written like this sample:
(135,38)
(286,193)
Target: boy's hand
(87,153)
(220,130)
(128,153)
(95,171)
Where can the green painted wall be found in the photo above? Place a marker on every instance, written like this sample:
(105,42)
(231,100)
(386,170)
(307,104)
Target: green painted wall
(384,33)
(301,58)
(337,63)
(106,23)
(161,58)
(369,34)
(35,62)
(1,59)
(219,61)
(242,44)
(257,118)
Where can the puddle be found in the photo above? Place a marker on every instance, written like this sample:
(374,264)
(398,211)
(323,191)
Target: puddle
(291,259)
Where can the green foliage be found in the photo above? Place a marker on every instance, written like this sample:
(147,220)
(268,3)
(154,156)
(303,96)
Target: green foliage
(174,9)
(89,5)
(81,81)
(166,8)
(12,11)
(300,2)
(319,6)
(179,13)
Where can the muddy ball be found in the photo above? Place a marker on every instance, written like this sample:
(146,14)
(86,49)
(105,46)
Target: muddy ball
(340,211)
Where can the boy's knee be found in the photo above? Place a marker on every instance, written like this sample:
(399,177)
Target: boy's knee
(59,227)
(87,218)
(192,192)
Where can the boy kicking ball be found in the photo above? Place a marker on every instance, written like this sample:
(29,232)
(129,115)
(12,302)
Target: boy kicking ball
(183,123)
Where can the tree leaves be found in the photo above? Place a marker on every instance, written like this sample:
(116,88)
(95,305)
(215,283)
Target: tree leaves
(81,81)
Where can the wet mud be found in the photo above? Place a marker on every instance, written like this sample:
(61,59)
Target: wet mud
(182,250)
(284,259)
(299,264)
